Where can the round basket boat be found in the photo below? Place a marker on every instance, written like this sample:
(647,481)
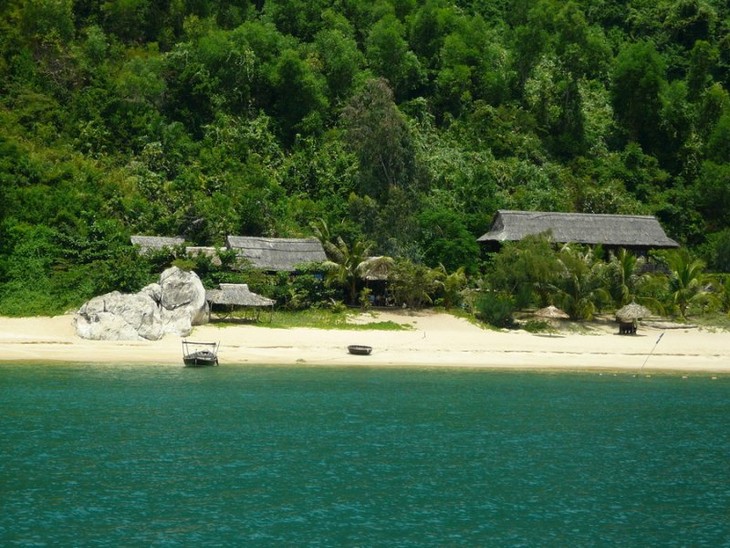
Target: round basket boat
(359,349)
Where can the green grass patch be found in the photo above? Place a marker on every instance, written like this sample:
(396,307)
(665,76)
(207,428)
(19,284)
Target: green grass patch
(319,319)
(716,321)
(538,326)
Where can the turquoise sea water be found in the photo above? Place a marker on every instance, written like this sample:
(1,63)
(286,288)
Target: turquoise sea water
(310,456)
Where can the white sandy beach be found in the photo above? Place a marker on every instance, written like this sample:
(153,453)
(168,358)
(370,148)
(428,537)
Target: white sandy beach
(435,339)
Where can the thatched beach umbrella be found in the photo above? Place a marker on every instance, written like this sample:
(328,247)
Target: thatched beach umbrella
(551,313)
(632,312)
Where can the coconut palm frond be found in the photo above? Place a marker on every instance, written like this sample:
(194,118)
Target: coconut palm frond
(687,280)
(375,268)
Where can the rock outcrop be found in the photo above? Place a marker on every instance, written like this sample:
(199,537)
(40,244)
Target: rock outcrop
(174,305)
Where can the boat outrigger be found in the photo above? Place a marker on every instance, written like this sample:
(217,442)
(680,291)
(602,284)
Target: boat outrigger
(200,354)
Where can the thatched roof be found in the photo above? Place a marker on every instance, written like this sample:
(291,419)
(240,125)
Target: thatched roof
(277,254)
(630,231)
(551,313)
(210,252)
(375,268)
(147,243)
(194,251)
(632,312)
(237,295)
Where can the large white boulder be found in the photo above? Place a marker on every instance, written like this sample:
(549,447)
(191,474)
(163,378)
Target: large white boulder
(182,295)
(174,305)
(116,316)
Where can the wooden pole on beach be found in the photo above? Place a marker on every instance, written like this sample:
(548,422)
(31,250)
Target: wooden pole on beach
(652,351)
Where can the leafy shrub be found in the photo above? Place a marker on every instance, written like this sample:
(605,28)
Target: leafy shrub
(527,269)
(537,326)
(337,307)
(364,298)
(724,289)
(717,251)
(451,288)
(184,264)
(496,309)
(412,284)
(304,289)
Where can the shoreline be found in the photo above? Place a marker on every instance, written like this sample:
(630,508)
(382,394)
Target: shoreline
(432,339)
(647,372)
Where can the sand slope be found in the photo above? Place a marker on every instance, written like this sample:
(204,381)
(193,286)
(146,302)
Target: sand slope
(434,339)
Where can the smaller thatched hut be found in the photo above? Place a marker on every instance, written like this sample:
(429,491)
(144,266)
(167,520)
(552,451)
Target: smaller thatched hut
(210,252)
(147,244)
(231,297)
(374,272)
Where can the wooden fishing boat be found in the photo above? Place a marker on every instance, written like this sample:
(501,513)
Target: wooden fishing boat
(200,354)
(359,349)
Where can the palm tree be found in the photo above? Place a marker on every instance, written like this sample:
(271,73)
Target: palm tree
(346,267)
(451,285)
(346,263)
(622,277)
(686,280)
(724,288)
(581,287)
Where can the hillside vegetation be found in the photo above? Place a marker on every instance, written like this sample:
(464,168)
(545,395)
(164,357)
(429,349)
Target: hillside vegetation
(400,123)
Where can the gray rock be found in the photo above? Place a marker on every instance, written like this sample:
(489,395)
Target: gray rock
(183,295)
(116,316)
(172,306)
(153,291)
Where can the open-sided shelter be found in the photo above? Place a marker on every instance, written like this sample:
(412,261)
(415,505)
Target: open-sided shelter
(374,272)
(637,233)
(231,297)
(277,254)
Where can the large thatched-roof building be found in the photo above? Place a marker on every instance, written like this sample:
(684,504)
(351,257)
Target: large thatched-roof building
(637,233)
(277,254)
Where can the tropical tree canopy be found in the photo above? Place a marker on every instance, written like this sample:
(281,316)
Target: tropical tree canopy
(403,124)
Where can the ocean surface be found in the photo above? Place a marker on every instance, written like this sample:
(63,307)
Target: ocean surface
(327,456)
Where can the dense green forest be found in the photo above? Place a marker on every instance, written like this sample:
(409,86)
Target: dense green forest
(400,124)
